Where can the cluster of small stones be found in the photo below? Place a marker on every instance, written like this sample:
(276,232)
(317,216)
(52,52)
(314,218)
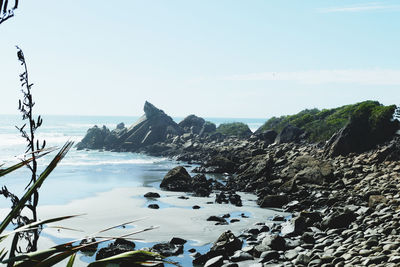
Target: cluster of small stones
(359,226)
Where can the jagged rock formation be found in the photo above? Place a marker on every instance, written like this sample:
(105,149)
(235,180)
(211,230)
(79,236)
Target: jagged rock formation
(154,126)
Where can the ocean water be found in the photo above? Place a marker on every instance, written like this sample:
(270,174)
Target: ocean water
(83,173)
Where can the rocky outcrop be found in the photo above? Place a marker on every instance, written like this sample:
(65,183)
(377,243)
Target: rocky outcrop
(363,132)
(289,134)
(192,124)
(153,127)
(94,138)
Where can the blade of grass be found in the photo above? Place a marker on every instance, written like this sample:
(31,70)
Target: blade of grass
(60,155)
(35,225)
(71,260)
(24,162)
(116,226)
(131,257)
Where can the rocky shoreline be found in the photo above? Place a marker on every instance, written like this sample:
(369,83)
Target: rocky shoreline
(344,198)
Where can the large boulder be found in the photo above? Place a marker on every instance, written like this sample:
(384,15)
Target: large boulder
(207,128)
(369,125)
(192,124)
(307,169)
(227,243)
(267,136)
(289,134)
(177,179)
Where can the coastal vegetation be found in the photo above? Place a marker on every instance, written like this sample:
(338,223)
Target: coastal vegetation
(238,129)
(320,125)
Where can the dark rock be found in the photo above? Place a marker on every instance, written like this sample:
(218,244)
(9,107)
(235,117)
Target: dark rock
(339,219)
(235,199)
(177,179)
(228,243)
(192,124)
(114,248)
(308,238)
(177,241)
(275,242)
(152,195)
(221,198)
(208,128)
(288,134)
(215,262)
(167,249)
(153,206)
(201,186)
(240,256)
(273,201)
(202,259)
(94,138)
(216,219)
(268,136)
(91,248)
(221,165)
(269,255)
(195,207)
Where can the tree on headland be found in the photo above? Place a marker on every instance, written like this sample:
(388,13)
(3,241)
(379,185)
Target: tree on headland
(7,10)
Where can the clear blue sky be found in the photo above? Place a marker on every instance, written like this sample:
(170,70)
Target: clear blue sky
(225,58)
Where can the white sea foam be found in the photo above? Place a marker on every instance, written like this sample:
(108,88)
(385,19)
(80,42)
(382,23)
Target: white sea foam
(109,162)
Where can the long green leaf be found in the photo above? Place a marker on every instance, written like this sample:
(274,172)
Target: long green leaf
(132,257)
(35,225)
(71,260)
(25,162)
(17,209)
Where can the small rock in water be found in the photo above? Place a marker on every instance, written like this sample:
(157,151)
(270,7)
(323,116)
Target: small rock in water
(152,195)
(195,207)
(183,197)
(153,206)
(177,241)
(216,219)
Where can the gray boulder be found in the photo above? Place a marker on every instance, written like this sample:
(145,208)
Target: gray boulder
(227,243)
(207,128)
(95,138)
(192,124)
(177,179)
(289,134)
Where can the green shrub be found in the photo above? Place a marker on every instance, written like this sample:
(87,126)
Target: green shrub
(238,129)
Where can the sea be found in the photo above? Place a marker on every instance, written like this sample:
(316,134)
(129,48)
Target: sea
(83,173)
